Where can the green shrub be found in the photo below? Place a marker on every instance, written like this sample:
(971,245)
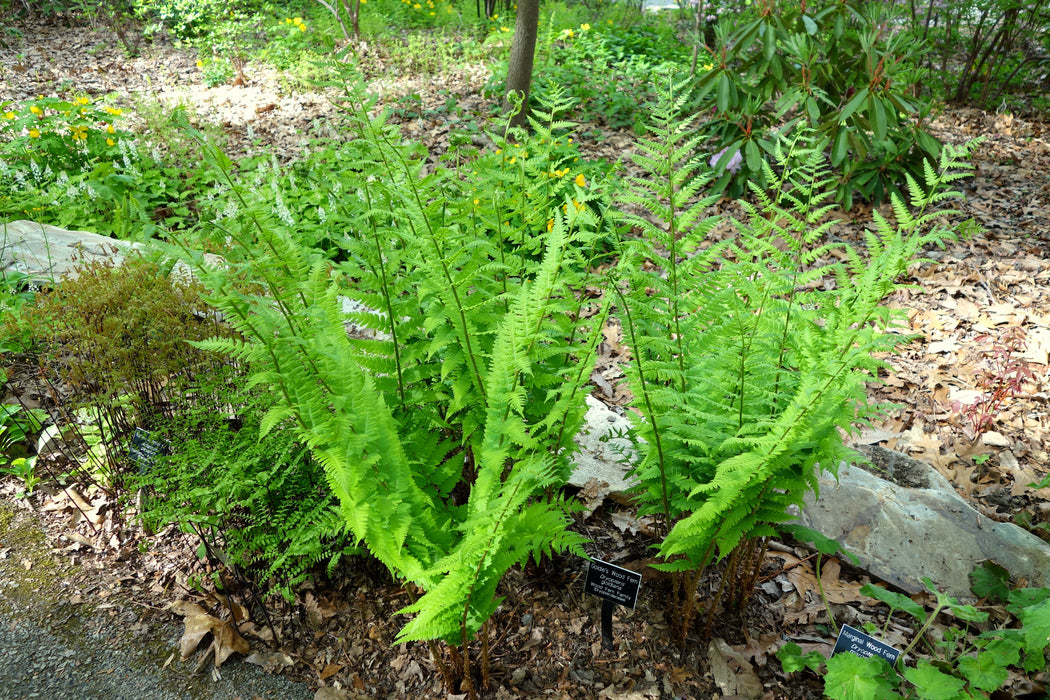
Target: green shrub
(415,14)
(191,20)
(607,72)
(291,40)
(50,135)
(116,338)
(839,68)
(981,52)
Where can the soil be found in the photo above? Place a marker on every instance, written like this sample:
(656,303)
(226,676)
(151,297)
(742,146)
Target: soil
(545,640)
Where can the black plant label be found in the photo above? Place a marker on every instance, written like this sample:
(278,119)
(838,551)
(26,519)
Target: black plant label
(864,645)
(145,448)
(612,583)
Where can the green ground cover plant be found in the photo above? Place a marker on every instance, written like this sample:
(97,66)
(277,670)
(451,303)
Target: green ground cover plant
(71,163)
(19,426)
(746,366)
(971,659)
(17,293)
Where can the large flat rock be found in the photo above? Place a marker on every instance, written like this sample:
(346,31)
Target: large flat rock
(902,533)
(47,253)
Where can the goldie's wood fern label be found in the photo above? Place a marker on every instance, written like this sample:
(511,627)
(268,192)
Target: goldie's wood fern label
(613,583)
(615,586)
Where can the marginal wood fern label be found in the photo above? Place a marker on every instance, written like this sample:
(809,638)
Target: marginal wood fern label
(864,645)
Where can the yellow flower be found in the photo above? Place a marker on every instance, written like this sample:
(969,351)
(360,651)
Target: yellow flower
(432,14)
(499,150)
(110,129)
(504,29)
(200,64)
(83,100)
(513,160)
(297,20)
(477,202)
(9,115)
(550,224)
(302,27)
(495,17)
(111,142)
(118,112)
(287,20)
(708,66)
(35,110)
(34,134)
(585,27)
(581,180)
(416,6)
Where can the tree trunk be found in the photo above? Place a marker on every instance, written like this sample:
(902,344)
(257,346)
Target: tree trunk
(522,53)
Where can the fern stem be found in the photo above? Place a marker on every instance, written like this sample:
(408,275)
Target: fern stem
(385,287)
(377,136)
(648,408)
(748,585)
(672,222)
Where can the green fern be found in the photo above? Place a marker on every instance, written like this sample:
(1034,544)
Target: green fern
(443,437)
(751,355)
(260,504)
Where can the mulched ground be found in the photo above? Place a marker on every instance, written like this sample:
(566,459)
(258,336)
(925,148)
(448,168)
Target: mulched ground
(545,640)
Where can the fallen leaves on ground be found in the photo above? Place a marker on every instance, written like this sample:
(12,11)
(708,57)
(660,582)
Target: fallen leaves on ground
(225,638)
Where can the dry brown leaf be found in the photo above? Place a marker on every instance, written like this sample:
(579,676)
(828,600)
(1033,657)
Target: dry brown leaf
(732,672)
(199,624)
(593,495)
(330,670)
(197,628)
(838,591)
(227,641)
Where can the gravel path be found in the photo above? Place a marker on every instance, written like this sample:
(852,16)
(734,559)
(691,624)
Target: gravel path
(110,649)
(35,663)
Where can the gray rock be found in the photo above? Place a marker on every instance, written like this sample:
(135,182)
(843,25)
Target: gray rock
(603,449)
(47,253)
(902,533)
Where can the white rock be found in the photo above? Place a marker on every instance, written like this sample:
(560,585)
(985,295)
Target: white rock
(603,449)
